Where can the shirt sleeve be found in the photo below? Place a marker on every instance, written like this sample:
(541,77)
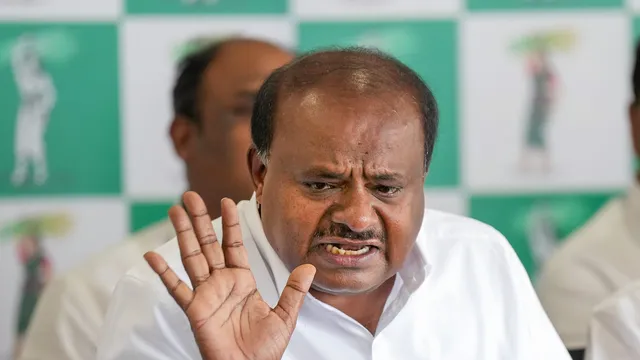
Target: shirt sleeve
(63,325)
(143,322)
(614,331)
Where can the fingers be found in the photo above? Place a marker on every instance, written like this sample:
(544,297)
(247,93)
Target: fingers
(293,295)
(180,292)
(235,254)
(209,244)
(192,258)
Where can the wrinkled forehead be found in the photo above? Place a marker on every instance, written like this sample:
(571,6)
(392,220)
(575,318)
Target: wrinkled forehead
(326,106)
(356,125)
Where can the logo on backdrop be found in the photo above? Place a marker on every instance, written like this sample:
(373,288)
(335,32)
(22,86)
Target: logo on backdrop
(37,93)
(28,234)
(37,100)
(537,50)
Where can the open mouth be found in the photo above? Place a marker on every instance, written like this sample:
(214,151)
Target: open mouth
(348,250)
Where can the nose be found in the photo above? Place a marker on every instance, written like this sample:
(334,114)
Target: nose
(355,210)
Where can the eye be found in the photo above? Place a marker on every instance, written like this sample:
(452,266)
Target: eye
(319,186)
(387,190)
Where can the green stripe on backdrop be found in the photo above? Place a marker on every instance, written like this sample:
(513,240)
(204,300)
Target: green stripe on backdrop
(144,214)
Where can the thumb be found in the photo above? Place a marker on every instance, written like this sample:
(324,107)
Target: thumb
(293,295)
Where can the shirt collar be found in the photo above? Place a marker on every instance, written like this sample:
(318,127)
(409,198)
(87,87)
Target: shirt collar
(413,273)
(633,209)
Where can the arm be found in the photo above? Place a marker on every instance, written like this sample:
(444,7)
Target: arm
(143,323)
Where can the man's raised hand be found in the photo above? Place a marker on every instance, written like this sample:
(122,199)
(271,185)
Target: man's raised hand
(229,318)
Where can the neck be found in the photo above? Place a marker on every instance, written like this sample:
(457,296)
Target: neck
(213,208)
(212,202)
(366,308)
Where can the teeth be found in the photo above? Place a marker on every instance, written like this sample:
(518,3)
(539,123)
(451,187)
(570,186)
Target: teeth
(339,251)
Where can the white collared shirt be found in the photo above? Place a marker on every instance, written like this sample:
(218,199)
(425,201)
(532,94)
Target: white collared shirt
(593,263)
(70,313)
(471,299)
(614,331)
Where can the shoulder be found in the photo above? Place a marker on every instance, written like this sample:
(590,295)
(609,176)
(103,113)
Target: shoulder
(443,234)
(73,306)
(588,246)
(103,270)
(475,262)
(596,233)
(462,250)
(87,288)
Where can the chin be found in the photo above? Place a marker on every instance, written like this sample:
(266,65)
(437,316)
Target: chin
(345,282)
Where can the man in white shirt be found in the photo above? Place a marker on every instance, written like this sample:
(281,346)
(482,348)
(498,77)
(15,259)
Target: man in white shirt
(614,329)
(342,142)
(212,99)
(596,260)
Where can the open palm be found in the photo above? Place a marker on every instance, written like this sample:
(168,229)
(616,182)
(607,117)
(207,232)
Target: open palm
(229,318)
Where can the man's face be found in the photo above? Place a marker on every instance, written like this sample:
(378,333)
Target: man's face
(343,189)
(218,148)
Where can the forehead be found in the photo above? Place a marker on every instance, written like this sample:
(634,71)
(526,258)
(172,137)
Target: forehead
(242,67)
(330,125)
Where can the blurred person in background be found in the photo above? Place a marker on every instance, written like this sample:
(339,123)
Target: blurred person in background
(212,100)
(598,259)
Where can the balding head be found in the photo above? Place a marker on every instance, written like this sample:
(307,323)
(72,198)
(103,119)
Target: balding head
(350,72)
(246,54)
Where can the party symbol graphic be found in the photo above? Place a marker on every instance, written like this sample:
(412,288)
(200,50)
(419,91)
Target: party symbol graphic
(38,96)
(537,49)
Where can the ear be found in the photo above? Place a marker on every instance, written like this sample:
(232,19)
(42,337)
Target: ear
(258,172)
(182,133)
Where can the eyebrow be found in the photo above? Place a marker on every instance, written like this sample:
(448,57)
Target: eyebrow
(324,173)
(388,176)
